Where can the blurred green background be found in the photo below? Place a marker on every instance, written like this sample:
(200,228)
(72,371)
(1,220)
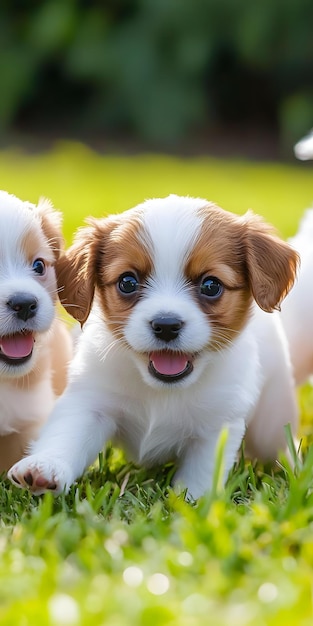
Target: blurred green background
(107,102)
(81,182)
(224,76)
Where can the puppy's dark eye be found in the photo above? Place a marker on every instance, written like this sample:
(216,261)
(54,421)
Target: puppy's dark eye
(128,284)
(39,267)
(211,287)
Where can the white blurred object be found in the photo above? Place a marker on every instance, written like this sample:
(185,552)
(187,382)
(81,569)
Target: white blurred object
(304,148)
(297,308)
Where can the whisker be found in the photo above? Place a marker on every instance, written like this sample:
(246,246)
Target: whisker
(223,338)
(77,306)
(116,344)
(70,323)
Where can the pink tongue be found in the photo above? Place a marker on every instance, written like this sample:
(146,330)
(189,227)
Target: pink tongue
(169,363)
(17,346)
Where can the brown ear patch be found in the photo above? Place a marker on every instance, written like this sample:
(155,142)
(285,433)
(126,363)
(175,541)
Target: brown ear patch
(51,223)
(75,271)
(272,264)
(77,268)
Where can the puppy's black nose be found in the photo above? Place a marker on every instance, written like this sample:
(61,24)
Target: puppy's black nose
(166,328)
(24,305)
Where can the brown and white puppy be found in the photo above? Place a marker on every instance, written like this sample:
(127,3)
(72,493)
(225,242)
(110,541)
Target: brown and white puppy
(35,347)
(180,341)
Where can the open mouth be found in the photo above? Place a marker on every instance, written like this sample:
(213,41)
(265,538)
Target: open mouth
(170,366)
(17,348)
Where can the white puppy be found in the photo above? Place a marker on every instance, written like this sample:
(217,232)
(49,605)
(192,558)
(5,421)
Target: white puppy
(34,347)
(176,345)
(304,148)
(297,308)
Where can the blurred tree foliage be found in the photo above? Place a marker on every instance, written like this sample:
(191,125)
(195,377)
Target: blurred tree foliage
(158,69)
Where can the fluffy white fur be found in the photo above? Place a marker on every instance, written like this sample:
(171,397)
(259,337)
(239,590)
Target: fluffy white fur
(297,308)
(304,148)
(32,342)
(243,382)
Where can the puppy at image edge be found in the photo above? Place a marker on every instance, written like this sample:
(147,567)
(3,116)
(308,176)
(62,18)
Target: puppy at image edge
(35,346)
(179,343)
(298,306)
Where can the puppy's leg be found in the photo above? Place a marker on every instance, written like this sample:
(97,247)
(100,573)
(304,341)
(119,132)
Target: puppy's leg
(68,443)
(197,466)
(265,436)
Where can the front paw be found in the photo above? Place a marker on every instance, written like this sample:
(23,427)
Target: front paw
(40,474)
(183,487)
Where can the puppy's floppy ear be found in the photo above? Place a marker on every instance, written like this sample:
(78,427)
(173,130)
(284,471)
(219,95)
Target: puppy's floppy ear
(272,263)
(77,268)
(51,222)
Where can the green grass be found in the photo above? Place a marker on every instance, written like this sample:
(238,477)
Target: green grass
(121,548)
(82,183)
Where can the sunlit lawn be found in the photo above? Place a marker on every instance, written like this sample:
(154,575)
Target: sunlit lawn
(80,183)
(120,549)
